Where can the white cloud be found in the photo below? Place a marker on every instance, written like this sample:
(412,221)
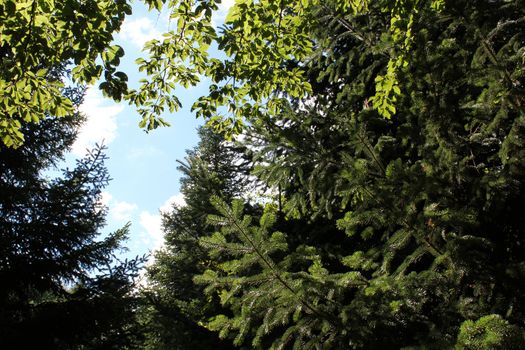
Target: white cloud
(100,125)
(226,5)
(153,229)
(152,223)
(139,31)
(122,211)
(105,198)
(220,15)
(118,210)
(103,202)
(177,200)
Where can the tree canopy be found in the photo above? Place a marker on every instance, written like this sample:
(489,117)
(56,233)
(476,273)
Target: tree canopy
(63,285)
(266,44)
(178,307)
(372,200)
(36,36)
(400,232)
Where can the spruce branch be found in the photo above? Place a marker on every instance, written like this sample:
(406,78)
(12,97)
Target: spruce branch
(233,221)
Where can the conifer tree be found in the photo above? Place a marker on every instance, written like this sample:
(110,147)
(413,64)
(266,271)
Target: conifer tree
(428,200)
(62,285)
(177,306)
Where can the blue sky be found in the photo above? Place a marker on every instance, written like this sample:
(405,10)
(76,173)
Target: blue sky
(143,166)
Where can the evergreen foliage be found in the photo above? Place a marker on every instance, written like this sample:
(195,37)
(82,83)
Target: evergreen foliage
(177,307)
(490,332)
(62,286)
(393,233)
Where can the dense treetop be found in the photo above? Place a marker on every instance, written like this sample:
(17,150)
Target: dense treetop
(400,232)
(373,201)
(35,37)
(264,42)
(63,285)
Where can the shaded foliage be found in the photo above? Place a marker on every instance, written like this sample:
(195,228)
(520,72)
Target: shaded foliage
(62,285)
(178,307)
(389,233)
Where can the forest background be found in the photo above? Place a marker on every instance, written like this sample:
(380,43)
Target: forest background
(358,185)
